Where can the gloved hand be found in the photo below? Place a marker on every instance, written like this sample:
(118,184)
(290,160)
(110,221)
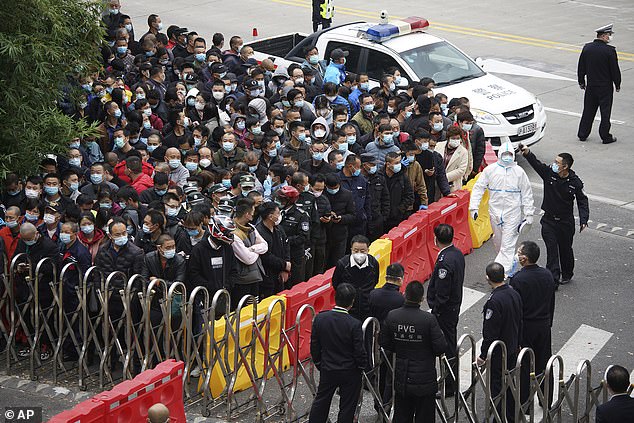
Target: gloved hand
(474,214)
(529,220)
(405,161)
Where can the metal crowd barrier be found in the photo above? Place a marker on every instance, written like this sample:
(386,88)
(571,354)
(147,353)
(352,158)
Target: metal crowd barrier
(108,328)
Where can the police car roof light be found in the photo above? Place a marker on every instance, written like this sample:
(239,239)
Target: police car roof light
(383,32)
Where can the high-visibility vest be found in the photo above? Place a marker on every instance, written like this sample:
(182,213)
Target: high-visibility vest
(327,9)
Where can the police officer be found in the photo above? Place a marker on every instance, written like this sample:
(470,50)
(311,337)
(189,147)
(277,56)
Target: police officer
(416,339)
(357,184)
(536,287)
(379,195)
(336,346)
(323,11)
(307,202)
(597,71)
(561,187)
(502,321)
(296,225)
(444,294)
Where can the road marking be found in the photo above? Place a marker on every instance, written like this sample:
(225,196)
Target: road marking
(575,114)
(498,66)
(459,29)
(580,3)
(597,198)
(469,298)
(466,366)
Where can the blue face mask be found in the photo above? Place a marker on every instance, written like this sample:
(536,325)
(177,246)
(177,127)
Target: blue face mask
(191,166)
(169,254)
(467,126)
(314,59)
(343,147)
(365,86)
(253,168)
(160,192)
(226,183)
(507,158)
(51,190)
(408,114)
(332,191)
(122,50)
(555,167)
(65,238)
(96,178)
(193,232)
(318,156)
(351,139)
(368,108)
(396,168)
(121,241)
(388,139)
(272,153)
(373,170)
(301,136)
(200,57)
(339,165)
(357,172)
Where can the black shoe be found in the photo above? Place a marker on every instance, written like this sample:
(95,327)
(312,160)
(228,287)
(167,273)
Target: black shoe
(557,286)
(565,281)
(610,141)
(582,139)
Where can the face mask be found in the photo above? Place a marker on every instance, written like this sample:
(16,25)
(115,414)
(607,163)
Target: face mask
(438,126)
(272,153)
(191,166)
(390,110)
(122,50)
(193,232)
(101,94)
(351,139)
(87,87)
(339,165)
(555,167)
(218,95)
(314,59)
(253,168)
(467,126)
(88,229)
(31,193)
(51,190)
(279,131)
(228,146)
(31,217)
(373,170)
(408,114)
(278,145)
(318,156)
(147,112)
(357,172)
(365,86)
(74,186)
(343,147)
(507,158)
(186,122)
(119,142)
(199,106)
(302,136)
(146,229)
(31,242)
(105,205)
(172,212)
(121,241)
(260,82)
(299,80)
(49,218)
(240,126)
(205,162)
(392,86)
(169,254)
(159,26)
(65,238)
(117,113)
(256,130)
(339,124)
(128,27)
(388,139)
(114,11)
(320,133)
(332,191)
(454,143)
(396,134)
(226,183)
(317,193)
(411,159)
(444,107)
(174,163)
(198,141)
(151,148)
(227,89)
(12,224)
(191,102)
(299,103)
(359,258)
(368,107)
(396,168)
(200,57)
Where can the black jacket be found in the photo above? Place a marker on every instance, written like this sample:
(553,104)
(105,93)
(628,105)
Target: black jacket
(401,195)
(43,248)
(379,197)
(324,168)
(444,294)
(128,260)
(336,342)
(599,66)
(318,231)
(502,321)
(619,409)
(536,286)
(478,146)
(211,267)
(364,280)
(342,204)
(416,339)
(175,269)
(428,160)
(385,299)
(274,260)
(361,194)
(560,193)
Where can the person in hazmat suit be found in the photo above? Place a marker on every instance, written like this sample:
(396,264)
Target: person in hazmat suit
(510,203)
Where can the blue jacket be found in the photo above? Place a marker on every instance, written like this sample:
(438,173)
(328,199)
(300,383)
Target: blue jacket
(353,98)
(338,101)
(335,73)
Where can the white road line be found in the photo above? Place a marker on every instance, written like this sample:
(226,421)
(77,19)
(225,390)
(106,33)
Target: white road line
(469,298)
(575,114)
(600,6)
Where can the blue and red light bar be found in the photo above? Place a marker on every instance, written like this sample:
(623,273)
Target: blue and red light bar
(382,32)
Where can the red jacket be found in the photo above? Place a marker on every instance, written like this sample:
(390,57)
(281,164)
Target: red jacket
(10,241)
(142,182)
(119,170)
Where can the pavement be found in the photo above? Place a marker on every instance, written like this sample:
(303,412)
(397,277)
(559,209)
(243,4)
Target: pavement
(594,314)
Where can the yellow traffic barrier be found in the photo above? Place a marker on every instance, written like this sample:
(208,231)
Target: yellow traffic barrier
(218,380)
(381,249)
(481,228)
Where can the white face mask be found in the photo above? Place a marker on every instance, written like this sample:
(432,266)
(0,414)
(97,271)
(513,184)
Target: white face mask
(359,258)
(454,143)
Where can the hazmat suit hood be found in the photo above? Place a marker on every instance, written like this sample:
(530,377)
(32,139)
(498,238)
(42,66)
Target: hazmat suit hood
(322,121)
(507,147)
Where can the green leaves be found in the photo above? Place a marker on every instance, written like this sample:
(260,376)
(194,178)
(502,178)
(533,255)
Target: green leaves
(42,44)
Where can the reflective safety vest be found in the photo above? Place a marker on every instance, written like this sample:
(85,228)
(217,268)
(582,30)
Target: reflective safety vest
(327,9)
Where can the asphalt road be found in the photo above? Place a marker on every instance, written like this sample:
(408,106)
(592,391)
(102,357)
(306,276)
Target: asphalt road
(538,34)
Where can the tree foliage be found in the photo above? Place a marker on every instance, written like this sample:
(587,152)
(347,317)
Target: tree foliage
(44,44)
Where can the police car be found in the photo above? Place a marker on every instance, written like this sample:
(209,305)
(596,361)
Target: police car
(505,111)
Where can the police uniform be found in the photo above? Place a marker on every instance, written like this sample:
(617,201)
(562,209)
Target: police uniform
(379,204)
(308,203)
(296,224)
(598,73)
(502,321)
(358,186)
(323,11)
(416,339)
(558,222)
(537,290)
(444,296)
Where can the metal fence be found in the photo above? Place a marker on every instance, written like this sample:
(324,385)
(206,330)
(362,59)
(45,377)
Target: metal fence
(98,329)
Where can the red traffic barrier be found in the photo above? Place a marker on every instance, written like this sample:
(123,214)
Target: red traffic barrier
(89,411)
(255,32)
(129,401)
(409,247)
(455,212)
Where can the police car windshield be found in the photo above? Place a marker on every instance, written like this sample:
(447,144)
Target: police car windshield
(442,62)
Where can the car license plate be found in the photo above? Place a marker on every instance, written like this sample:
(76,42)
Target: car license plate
(527,129)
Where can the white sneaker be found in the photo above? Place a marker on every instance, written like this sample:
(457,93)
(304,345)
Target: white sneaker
(195,372)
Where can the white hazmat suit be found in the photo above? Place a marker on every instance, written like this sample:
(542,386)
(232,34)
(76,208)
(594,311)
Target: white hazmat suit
(510,194)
